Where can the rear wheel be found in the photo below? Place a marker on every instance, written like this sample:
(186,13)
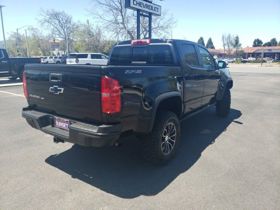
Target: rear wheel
(161,144)
(223,105)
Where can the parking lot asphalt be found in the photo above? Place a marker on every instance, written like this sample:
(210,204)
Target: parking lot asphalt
(231,163)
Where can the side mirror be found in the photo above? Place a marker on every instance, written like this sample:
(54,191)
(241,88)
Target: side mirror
(222,64)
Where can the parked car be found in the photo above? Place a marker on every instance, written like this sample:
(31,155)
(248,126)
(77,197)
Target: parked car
(58,59)
(53,60)
(62,59)
(46,60)
(251,59)
(147,88)
(268,59)
(87,59)
(43,59)
(13,67)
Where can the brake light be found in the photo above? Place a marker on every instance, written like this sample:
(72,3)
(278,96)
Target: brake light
(140,42)
(24,85)
(110,95)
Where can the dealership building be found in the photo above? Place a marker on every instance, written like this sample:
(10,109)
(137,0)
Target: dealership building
(262,52)
(247,52)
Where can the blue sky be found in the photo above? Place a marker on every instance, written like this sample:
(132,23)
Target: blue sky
(249,19)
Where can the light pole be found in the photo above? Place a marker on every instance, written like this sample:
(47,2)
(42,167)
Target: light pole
(4,38)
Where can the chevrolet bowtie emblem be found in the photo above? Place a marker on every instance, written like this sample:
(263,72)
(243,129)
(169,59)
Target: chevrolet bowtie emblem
(56,90)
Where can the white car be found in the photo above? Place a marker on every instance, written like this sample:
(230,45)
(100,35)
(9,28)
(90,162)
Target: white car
(251,59)
(87,59)
(51,59)
(48,59)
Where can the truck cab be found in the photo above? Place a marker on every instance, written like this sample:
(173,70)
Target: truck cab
(13,67)
(4,63)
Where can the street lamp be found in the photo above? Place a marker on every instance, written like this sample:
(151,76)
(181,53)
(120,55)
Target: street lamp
(1,6)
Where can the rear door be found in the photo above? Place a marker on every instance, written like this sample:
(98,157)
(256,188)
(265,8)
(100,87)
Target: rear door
(71,59)
(83,59)
(193,76)
(211,75)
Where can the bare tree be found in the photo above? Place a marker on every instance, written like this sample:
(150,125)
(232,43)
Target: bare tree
(61,25)
(228,40)
(38,42)
(121,23)
(229,43)
(161,25)
(87,38)
(16,44)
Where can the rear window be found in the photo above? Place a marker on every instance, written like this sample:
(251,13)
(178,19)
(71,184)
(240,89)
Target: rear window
(151,54)
(78,56)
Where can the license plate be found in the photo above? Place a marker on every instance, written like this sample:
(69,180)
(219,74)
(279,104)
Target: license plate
(61,123)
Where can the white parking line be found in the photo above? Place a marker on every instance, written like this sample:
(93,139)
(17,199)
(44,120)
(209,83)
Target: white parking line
(13,94)
(10,85)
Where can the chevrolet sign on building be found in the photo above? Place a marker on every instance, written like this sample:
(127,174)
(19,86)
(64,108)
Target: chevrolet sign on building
(144,6)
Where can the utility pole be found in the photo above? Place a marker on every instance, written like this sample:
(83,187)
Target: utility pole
(27,45)
(4,38)
(17,43)
(26,41)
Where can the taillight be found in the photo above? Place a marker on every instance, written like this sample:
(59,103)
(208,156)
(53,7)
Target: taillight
(24,85)
(110,95)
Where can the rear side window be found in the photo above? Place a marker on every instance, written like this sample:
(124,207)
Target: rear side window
(151,55)
(95,56)
(82,56)
(78,56)
(72,55)
(188,54)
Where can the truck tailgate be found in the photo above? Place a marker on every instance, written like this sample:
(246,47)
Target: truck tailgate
(67,91)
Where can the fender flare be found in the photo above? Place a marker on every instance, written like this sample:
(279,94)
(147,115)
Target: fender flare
(223,85)
(158,100)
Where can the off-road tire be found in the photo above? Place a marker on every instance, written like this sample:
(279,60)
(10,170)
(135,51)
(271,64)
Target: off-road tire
(223,105)
(155,144)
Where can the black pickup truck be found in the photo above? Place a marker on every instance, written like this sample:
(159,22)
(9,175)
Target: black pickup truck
(13,67)
(147,88)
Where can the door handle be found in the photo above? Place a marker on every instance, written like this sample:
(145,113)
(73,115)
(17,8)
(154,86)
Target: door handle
(55,77)
(4,61)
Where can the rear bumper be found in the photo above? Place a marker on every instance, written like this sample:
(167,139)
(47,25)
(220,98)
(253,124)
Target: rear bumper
(79,133)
